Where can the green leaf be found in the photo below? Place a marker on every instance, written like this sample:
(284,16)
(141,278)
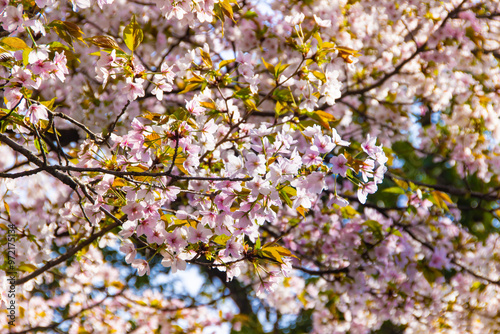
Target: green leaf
(319,75)
(401,183)
(430,274)
(395,232)
(7,209)
(207,105)
(49,104)
(302,211)
(269,67)
(133,35)
(221,239)
(394,190)
(348,212)
(326,116)
(26,55)
(290,191)
(190,87)
(375,227)
(284,196)
(279,107)
(280,69)
(250,104)
(440,198)
(322,117)
(73,29)
(243,93)
(271,253)
(13,44)
(250,15)
(257,243)
(226,62)
(152,140)
(26,267)
(227,9)
(105,42)
(206,57)
(62,31)
(276,252)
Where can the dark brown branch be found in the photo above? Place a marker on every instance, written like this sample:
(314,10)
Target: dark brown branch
(121,173)
(12,110)
(21,174)
(32,158)
(112,127)
(70,252)
(93,136)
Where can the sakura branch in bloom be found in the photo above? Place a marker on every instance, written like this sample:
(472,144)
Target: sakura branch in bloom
(334,164)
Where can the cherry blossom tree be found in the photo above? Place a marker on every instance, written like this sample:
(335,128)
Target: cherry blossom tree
(325,166)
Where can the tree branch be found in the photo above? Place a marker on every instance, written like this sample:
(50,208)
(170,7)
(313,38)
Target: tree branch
(32,158)
(69,254)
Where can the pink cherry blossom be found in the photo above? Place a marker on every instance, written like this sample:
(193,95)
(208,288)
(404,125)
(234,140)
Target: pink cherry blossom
(37,112)
(142,266)
(339,165)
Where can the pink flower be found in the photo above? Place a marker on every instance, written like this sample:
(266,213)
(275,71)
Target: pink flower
(161,87)
(366,169)
(166,73)
(194,108)
(41,52)
(199,233)
(339,165)
(129,249)
(22,76)
(37,112)
(145,226)
(13,96)
(175,240)
(323,143)
(13,18)
(365,189)
(228,186)
(322,23)
(142,266)
(311,157)
(254,81)
(315,182)
(175,262)
(439,259)
(335,199)
(208,218)
(373,151)
(233,248)
(176,10)
(369,145)
(104,67)
(302,198)
(128,228)
(134,210)
(259,186)
(61,69)
(156,235)
(134,89)
(170,193)
(295,19)
(309,103)
(267,286)
(255,164)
